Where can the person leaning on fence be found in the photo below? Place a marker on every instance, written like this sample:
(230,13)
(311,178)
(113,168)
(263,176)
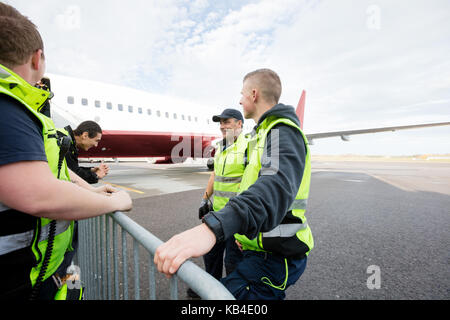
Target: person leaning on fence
(37,190)
(229,164)
(86,136)
(268,215)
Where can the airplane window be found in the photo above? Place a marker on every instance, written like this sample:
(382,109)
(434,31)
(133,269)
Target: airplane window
(182,117)
(207,121)
(158,113)
(140,110)
(195,119)
(84,101)
(130,108)
(109,105)
(120,107)
(167,115)
(70,100)
(149,112)
(189,118)
(174,115)
(97,104)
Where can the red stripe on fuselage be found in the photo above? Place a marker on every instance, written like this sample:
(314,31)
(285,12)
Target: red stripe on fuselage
(116,144)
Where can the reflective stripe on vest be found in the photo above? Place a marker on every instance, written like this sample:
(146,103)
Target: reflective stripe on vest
(225,194)
(298,204)
(22,240)
(285,230)
(229,166)
(227,179)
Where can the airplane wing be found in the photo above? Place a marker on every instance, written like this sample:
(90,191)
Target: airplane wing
(345,135)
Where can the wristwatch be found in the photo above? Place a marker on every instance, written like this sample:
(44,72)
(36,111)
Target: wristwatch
(214,224)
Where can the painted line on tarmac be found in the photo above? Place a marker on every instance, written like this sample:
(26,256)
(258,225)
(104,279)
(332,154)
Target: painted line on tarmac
(123,187)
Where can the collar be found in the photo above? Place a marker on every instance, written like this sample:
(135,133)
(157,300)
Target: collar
(15,85)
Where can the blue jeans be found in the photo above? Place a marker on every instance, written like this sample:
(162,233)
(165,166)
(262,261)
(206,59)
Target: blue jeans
(263,276)
(214,258)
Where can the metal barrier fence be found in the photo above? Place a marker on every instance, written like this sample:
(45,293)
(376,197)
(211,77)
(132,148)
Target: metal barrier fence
(105,280)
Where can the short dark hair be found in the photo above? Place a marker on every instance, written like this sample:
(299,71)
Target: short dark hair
(8,11)
(20,37)
(91,127)
(268,82)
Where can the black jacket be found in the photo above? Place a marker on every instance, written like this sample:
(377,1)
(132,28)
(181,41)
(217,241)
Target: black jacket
(72,161)
(263,206)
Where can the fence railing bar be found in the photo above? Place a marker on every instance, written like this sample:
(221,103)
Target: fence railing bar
(189,272)
(97,255)
(94,257)
(91,258)
(136,270)
(174,287)
(124,264)
(108,258)
(116,262)
(151,278)
(102,273)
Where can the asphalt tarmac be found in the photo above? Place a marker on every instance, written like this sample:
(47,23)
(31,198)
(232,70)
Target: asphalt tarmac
(381,229)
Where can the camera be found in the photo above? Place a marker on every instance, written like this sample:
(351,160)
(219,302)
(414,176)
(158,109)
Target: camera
(44,84)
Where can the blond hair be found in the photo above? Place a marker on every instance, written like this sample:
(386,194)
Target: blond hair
(268,82)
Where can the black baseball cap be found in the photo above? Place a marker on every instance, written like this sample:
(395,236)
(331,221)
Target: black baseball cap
(227,114)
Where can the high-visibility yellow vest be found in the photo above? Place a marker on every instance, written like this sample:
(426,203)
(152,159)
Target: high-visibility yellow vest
(32,99)
(229,166)
(293,237)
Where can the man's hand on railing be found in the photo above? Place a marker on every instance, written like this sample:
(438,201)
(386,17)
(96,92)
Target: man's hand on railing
(105,189)
(194,243)
(122,200)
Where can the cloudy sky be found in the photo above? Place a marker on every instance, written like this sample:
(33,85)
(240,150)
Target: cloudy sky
(362,63)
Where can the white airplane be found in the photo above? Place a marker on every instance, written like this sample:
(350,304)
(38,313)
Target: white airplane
(141,124)
(135,123)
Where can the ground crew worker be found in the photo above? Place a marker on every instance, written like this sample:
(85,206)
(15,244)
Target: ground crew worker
(87,135)
(269,213)
(229,164)
(36,208)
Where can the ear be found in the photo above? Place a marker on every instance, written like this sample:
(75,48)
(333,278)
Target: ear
(85,135)
(36,59)
(255,95)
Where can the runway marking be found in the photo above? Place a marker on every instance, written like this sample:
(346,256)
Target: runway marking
(392,183)
(123,187)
